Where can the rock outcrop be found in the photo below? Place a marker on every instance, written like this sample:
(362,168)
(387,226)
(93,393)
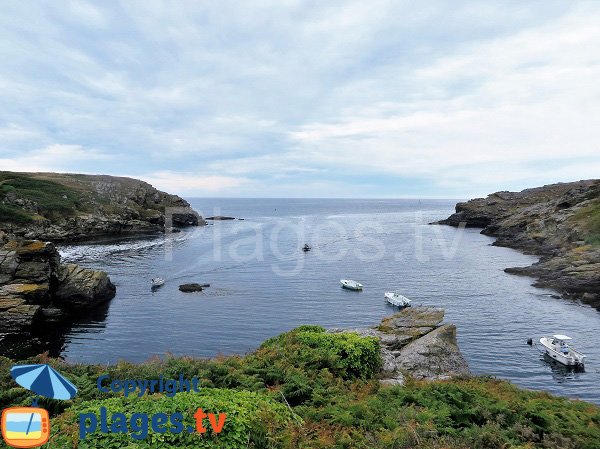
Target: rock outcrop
(81,288)
(35,287)
(415,342)
(67,207)
(558,222)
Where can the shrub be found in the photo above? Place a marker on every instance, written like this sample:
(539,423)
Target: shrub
(253,420)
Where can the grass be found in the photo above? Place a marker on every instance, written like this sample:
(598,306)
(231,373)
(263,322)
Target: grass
(589,219)
(336,402)
(15,215)
(53,200)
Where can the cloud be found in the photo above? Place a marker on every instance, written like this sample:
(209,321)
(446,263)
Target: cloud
(281,98)
(52,158)
(189,183)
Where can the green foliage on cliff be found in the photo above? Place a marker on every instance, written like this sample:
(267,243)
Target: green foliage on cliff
(333,405)
(588,218)
(51,199)
(11,214)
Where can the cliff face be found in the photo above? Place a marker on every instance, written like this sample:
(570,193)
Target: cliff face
(60,207)
(559,222)
(35,287)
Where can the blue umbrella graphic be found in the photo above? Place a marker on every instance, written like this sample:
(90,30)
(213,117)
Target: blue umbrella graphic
(44,381)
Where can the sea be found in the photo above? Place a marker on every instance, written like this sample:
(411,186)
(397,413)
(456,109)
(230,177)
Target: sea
(263,284)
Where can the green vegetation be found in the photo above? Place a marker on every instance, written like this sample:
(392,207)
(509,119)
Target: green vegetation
(14,215)
(589,219)
(51,199)
(255,419)
(336,401)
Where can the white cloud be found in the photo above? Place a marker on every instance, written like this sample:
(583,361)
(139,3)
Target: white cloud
(54,157)
(190,183)
(288,97)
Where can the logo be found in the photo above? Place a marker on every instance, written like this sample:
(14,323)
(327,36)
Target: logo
(26,427)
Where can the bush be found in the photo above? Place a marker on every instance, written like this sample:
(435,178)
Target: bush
(253,420)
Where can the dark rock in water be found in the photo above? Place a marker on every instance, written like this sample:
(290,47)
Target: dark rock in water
(34,286)
(186,219)
(220,218)
(414,342)
(194,287)
(557,222)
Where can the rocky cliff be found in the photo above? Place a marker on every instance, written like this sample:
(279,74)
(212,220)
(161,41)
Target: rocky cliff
(66,207)
(415,342)
(36,288)
(559,222)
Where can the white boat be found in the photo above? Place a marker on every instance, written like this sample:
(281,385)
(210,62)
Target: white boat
(558,349)
(350,284)
(397,299)
(157,282)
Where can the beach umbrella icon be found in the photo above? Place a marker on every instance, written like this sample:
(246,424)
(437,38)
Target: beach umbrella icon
(43,380)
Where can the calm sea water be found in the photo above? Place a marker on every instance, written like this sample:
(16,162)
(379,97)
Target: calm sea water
(262,285)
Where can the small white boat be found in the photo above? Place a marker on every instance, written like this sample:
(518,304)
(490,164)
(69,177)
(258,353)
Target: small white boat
(557,348)
(157,282)
(351,285)
(397,299)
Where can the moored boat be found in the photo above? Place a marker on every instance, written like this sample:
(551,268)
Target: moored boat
(157,282)
(557,348)
(351,285)
(397,299)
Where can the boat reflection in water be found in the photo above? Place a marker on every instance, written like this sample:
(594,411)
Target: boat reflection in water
(561,373)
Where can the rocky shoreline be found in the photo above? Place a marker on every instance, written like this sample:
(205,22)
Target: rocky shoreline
(72,207)
(38,210)
(36,289)
(415,342)
(558,222)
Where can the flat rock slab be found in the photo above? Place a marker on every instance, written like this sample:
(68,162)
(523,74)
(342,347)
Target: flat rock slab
(220,218)
(413,321)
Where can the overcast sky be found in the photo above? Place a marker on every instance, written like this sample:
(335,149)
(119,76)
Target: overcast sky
(304,98)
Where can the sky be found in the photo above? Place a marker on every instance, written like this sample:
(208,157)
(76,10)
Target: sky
(442,99)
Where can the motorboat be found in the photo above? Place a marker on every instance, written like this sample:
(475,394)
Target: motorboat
(306,248)
(157,282)
(351,285)
(396,299)
(557,348)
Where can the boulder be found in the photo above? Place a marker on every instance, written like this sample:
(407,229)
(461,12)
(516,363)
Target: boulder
(194,287)
(82,288)
(433,356)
